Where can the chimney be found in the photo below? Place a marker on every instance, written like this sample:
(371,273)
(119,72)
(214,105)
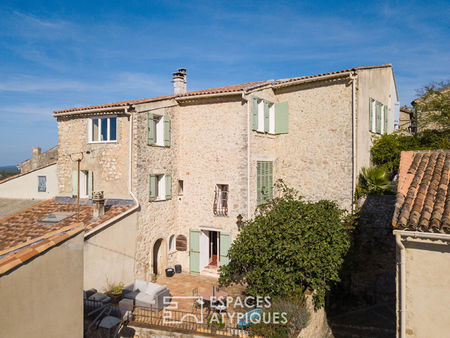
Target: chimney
(99,204)
(179,81)
(35,157)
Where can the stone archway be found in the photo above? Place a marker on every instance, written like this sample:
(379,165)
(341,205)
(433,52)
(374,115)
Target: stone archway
(159,256)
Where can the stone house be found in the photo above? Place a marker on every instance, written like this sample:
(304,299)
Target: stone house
(194,161)
(421,224)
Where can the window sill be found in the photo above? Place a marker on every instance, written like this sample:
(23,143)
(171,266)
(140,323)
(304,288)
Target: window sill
(159,146)
(268,135)
(99,142)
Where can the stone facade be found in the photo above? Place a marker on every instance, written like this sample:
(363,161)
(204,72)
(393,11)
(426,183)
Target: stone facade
(38,159)
(108,161)
(212,142)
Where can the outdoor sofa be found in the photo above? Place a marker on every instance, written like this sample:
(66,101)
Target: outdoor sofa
(147,294)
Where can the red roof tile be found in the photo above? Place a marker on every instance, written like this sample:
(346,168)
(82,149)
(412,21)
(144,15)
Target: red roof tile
(24,226)
(423,196)
(219,90)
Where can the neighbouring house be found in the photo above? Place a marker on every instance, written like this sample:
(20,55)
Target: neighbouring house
(423,110)
(407,120)
(109,237)
(39,159)
(421,224)
(194,161)
(37,178)
(41,280)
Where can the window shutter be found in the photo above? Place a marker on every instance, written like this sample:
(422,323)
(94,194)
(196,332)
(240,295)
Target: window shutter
(151,129)
(281,117)
(224,247)
(151,187)
(90,181)
(167,130)
(259,178)
(168,182)
(385,119)
(266,116)
(269,171)
(194,251)
(75,183)
(254,113)
(371,114)
(378,118)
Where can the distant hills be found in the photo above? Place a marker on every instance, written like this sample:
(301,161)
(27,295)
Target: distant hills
(8,170)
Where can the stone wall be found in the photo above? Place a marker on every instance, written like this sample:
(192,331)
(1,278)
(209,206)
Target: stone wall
(315,156)
(39,159)
(108,161)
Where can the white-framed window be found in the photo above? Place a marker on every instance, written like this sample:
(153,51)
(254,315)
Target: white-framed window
(172,243)
(220,207)
(260,116)
(103,129)
(158,133)
(42,183)
(160,187)
(159,130)
(269,117)
(378,117)
(180,187)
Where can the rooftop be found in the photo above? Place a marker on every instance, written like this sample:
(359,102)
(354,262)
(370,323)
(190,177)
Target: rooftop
(32,224)
(423,198)
(227,89)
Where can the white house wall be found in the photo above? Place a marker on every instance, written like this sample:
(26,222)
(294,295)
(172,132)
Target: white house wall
(26,186)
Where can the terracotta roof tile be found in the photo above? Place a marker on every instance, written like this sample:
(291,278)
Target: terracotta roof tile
(423,197)
(19,256)
(226,89)
(218,90)
(25,226)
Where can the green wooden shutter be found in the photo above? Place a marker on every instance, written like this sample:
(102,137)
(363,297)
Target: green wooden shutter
(266,116)
(168,186)
(225,244)
(385,119)
(269,179)
(254,113)
(152,187)
(378,118)
(194,251)
(90,181)
(259,184)
(167,130)
(281,117)
(371,114)
(74,183)
(151,129)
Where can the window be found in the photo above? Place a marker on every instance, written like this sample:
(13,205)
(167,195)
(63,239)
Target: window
(378,117)
(42,183)
(172,243)
(180,187)
(264,181)
(269,117)
(160,187)
(158,130)
(103,129)
(220,207)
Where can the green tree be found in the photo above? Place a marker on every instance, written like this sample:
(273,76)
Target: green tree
(433,107)
(290,245)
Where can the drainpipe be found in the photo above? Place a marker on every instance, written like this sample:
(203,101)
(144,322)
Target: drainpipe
(248,154)
(402,275)
(129,211)
(353,78)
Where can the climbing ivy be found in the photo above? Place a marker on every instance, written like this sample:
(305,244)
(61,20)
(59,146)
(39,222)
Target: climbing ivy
(289,246)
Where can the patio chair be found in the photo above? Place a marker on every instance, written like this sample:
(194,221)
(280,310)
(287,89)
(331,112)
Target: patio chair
(199,302)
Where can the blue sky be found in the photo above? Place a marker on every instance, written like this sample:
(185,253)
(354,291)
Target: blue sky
(60,54)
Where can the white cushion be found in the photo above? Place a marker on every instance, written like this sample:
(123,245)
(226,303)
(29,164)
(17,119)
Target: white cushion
(140,284)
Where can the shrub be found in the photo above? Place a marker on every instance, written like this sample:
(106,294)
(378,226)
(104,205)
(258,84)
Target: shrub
(373,180)
(290,245)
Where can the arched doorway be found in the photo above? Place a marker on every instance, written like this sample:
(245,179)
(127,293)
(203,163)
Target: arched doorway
(159,256)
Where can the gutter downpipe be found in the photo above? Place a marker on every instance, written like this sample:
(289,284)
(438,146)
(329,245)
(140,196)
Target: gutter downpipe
(248,153)
(353,77)
(129,211)
(402,273)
